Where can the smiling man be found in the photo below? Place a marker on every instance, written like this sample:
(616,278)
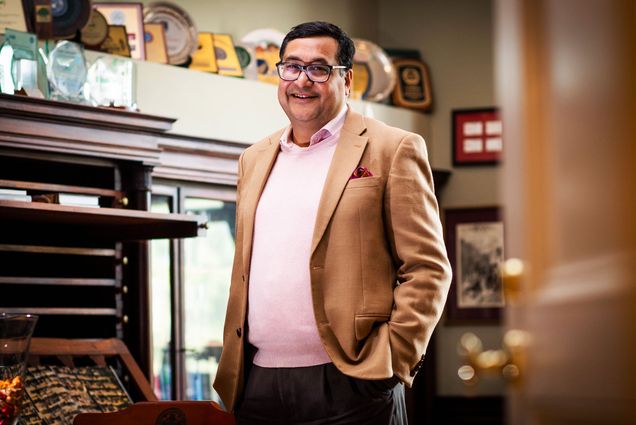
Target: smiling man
(340,273)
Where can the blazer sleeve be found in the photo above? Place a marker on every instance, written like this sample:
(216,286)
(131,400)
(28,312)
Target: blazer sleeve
(419,254)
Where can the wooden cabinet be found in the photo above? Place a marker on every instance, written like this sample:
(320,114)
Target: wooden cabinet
(83,269)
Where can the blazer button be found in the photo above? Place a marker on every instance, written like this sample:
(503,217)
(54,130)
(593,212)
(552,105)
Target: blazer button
(238,332)
(412,372)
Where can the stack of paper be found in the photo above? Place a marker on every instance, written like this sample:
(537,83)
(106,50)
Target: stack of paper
(14,195)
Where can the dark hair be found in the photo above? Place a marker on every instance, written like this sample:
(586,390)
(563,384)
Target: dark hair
(346,48)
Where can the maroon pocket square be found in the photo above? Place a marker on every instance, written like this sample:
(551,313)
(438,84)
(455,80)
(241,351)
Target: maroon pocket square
(361,172)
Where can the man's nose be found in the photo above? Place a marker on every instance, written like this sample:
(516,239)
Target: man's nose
(303,79)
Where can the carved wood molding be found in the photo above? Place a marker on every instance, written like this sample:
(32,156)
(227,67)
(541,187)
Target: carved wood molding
(119,119)
(42,125)
(198,160)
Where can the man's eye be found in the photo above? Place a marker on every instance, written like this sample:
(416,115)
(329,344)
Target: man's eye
(317,69)
(291,66)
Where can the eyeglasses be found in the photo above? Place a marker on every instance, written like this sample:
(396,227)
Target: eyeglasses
(317,73)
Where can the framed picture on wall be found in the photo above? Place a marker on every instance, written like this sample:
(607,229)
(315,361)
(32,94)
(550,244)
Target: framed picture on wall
(475,244)
(477,136)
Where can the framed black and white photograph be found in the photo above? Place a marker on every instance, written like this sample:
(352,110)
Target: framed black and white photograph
(475,243)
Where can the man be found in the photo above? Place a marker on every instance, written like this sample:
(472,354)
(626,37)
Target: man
(340,272)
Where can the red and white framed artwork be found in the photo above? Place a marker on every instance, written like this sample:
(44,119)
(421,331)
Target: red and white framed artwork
(477,136)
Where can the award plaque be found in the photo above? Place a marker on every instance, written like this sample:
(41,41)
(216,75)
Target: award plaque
(266,59)
(243,56)
(264,47)
(247,58)
(226,59)
(181,34)
(414,88)
(95,31)
(116,42)
(43,13)
(129,15)
(67,71)
(58,19)
(156,49)
(12,16)
(204,58)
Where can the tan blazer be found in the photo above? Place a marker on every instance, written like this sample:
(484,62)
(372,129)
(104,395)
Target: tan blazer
(379,271)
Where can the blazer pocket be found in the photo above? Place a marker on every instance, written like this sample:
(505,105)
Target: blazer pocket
(364,323)
(364,182)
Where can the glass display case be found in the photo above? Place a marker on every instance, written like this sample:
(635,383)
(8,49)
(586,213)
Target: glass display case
(190,285)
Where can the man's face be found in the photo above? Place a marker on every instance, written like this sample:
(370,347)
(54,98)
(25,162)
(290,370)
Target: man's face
(307,103)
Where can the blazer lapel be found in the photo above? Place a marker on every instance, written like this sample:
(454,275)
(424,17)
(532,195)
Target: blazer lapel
(346,158)
(254,187)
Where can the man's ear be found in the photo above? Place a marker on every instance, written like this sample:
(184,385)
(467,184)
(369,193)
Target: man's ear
(348,81)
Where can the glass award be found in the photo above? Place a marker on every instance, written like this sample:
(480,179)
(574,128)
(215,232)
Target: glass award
(6,61)
(382,76)
(18,63)
(111,82)
(67,71)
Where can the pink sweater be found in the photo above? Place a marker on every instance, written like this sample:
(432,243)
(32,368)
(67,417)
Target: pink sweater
(280,315)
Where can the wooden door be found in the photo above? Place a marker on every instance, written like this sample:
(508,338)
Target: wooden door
(566,80)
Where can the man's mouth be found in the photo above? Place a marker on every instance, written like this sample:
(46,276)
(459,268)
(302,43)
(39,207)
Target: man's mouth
(303,96)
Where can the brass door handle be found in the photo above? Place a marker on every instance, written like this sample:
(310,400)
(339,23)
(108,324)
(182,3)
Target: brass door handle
(513,272)
(508,362)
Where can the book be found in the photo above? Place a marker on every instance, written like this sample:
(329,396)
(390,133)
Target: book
(71,199)
(78,200)
(8,197)
(15,192)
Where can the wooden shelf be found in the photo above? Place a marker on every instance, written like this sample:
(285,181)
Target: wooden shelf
(47,187)
(61,311)
(106,223)
(36,249)
(62,281)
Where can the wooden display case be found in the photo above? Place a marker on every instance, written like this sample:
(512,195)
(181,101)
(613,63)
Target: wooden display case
(82,269)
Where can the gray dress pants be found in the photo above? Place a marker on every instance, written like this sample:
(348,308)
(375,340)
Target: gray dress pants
(318,395)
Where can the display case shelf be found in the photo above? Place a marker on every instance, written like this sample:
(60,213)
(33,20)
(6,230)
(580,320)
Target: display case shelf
(29,280)
(36,249)
(104,223)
